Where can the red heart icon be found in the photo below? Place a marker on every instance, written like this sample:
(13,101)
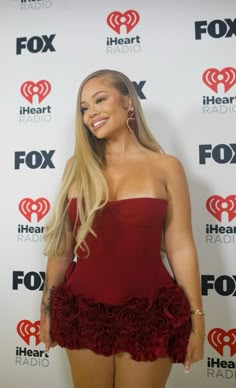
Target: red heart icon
(213,77)
(26,329)
(40,206)
(129,18)
(216,205)
(29,89)
(219,338)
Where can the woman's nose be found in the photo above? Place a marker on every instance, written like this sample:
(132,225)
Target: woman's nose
(93,111)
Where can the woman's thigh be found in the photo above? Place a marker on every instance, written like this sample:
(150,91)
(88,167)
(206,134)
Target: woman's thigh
(141,374)
(91,370)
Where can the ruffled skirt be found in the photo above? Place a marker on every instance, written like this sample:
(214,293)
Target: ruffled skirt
(147,329)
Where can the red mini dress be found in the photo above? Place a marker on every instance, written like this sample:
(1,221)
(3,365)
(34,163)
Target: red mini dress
(121,298)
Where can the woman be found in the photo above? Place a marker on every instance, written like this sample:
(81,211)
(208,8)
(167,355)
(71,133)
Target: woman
(121,316)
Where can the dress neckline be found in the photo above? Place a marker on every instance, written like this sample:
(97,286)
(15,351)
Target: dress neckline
(117,201)
(136,199)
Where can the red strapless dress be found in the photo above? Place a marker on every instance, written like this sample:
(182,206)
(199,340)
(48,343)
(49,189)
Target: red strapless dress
(122,298)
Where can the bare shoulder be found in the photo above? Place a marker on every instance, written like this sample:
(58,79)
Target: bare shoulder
(171,164)
(165,159)
(168,164)
(176,182)
(170,172)
(68,165)
(69,161)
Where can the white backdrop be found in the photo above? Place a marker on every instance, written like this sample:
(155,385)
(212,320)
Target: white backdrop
(176,52)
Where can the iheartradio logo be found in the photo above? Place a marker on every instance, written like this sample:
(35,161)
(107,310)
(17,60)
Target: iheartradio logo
(29,89)
(27,329)
(216,205)
(213,77)
(117,19)
(219,338)
(28,206)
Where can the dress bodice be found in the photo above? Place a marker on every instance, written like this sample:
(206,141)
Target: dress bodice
(124,258)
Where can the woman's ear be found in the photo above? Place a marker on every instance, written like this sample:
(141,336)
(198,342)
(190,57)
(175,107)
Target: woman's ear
(127,103)
(130,103)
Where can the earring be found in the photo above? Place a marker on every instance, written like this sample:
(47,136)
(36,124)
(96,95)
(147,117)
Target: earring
(131,121)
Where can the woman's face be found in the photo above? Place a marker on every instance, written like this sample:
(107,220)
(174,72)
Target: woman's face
(103,108)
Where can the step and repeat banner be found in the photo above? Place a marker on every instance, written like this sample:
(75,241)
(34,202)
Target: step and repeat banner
(180,56)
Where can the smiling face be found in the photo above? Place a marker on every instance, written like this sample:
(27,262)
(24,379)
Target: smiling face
(104,108)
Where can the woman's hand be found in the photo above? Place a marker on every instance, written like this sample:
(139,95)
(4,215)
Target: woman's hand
(45,332)
(195,349)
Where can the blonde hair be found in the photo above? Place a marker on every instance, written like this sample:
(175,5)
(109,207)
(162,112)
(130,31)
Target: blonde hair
(86,170)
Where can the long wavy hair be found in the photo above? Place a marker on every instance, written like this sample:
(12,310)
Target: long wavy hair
(86,170)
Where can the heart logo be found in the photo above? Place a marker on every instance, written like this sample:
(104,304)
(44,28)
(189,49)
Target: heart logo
(40,206)
(219,338)
(216,205)
(41,88)
(26,329)
(213,77)
(129,18)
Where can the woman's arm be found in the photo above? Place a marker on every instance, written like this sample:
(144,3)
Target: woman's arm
(56,267)
(180,247)
(55,273)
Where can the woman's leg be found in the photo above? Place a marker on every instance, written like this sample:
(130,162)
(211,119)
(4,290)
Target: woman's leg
(91,370)
(141,374)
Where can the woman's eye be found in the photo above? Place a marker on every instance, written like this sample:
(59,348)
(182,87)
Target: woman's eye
(100,100)
(82,110)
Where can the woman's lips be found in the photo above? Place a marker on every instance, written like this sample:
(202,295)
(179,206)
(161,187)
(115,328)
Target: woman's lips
(98,123)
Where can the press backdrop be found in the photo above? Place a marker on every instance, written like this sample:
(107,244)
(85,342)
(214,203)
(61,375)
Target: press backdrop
(181,57)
